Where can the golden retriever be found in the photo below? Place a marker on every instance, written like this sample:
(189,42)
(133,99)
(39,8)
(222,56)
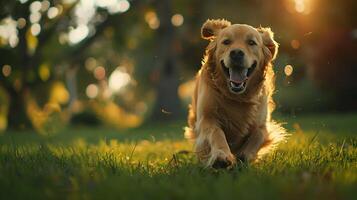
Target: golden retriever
(229,117)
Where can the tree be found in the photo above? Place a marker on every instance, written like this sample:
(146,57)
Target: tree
(167,104)
(26,57)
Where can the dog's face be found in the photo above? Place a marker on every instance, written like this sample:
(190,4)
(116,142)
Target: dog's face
(239,51)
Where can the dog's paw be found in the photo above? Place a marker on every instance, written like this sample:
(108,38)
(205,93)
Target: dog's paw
(220,159)
(246,157)
(222,164)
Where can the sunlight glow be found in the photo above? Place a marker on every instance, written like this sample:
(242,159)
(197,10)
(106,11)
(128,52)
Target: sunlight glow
(118,79)
(186,89)
(299,6)
(302,6)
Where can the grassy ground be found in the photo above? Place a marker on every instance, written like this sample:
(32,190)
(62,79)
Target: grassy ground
(318,162)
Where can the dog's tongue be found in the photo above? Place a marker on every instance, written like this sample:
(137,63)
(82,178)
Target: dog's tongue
(238,75)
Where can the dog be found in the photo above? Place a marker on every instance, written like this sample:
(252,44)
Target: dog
(230,115)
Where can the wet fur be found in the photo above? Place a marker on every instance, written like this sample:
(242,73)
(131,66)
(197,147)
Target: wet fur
(227,126)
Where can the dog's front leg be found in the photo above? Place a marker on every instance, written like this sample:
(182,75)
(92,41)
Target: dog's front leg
(212,147)
(254,142)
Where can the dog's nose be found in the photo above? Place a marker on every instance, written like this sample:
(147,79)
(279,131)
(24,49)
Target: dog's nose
(236,55)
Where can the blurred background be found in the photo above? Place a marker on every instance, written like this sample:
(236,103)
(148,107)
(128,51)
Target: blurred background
(123,63)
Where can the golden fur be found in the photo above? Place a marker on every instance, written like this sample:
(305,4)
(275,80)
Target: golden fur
(226,125)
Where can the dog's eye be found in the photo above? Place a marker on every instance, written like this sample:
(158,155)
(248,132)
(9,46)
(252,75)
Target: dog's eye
(252,42)
(226,42)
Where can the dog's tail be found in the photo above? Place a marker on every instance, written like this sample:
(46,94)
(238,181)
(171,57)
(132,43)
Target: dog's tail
(277,135)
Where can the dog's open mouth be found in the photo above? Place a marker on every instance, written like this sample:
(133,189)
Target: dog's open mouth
(238,76)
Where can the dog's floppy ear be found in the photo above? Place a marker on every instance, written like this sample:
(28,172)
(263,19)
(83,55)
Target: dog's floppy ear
(271,46)
(212,27)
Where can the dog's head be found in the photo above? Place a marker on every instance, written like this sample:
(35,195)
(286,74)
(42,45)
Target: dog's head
(240,50)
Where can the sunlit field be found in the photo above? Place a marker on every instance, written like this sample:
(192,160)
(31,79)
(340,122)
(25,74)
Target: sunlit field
(94,98)
(155,162)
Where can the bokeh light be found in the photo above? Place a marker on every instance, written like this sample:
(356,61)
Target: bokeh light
(118,79)
(45,5)
(44,72)
(177,20)
(21,23)
(90,63)
(63,38)
(6,70)
(78,34)
(92,91)
(35,17)
(152,20)
(99,73)
(84,11)
(52,12)
(8,32)
(120,6)
(13,41)
(35,29)
(114,6)
(288,70)
(35,6)
(295,44)
(59,93)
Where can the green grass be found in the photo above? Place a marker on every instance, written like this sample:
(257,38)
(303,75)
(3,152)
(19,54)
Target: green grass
(318,162)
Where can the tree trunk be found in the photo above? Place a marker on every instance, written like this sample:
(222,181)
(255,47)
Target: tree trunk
(17,116)
(167,105)
(71,82)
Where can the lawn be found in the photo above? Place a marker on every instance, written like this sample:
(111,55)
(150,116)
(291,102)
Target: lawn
(319,161)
